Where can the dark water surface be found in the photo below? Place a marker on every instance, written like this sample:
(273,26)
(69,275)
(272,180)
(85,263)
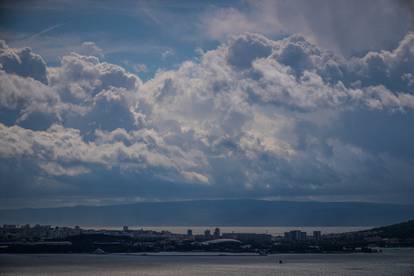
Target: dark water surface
(390,262)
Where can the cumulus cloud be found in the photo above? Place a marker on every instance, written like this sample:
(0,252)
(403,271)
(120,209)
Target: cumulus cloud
(26,101)
(138,68)
(389,68)
(89,48)
(253,117)
(22,62)
(345,27)
(59,149)
(84,76)
(112,109)
(243,50)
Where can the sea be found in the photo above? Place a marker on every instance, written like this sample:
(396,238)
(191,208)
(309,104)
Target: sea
(390,262)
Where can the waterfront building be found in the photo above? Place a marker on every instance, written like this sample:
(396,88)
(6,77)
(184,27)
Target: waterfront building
(317,235)
(295,235)
(217,233)
(248,237)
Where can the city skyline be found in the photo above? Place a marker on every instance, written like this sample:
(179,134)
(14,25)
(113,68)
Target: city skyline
(49,239)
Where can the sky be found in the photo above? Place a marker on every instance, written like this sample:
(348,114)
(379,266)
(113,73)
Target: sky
(108,102)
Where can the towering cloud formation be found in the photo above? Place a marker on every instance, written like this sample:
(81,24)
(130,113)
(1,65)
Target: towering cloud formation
(254,117)
(22,62)
(347,27)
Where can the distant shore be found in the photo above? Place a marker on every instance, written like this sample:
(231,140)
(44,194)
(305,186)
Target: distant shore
(57,239)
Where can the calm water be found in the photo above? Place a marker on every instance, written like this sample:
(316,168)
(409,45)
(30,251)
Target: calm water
(390,262)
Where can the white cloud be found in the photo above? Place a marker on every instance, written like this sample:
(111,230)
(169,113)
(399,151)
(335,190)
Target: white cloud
(28,102)
(22,62)
(345,27)
(91,75)
(55,169)
(255,115)
(138,68)
(388,68)
(58,149)
(195,177)
(167,53)
(89,48)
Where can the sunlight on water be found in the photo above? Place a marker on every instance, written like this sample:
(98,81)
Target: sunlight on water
(390,262)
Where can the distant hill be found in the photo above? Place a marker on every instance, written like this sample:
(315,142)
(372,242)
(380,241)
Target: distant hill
(404,230)
(240,212)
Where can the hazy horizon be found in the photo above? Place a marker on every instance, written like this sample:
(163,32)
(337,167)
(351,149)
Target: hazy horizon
(117,203)
(217,212)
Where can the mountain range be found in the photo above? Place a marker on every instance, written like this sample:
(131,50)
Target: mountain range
(237,212)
